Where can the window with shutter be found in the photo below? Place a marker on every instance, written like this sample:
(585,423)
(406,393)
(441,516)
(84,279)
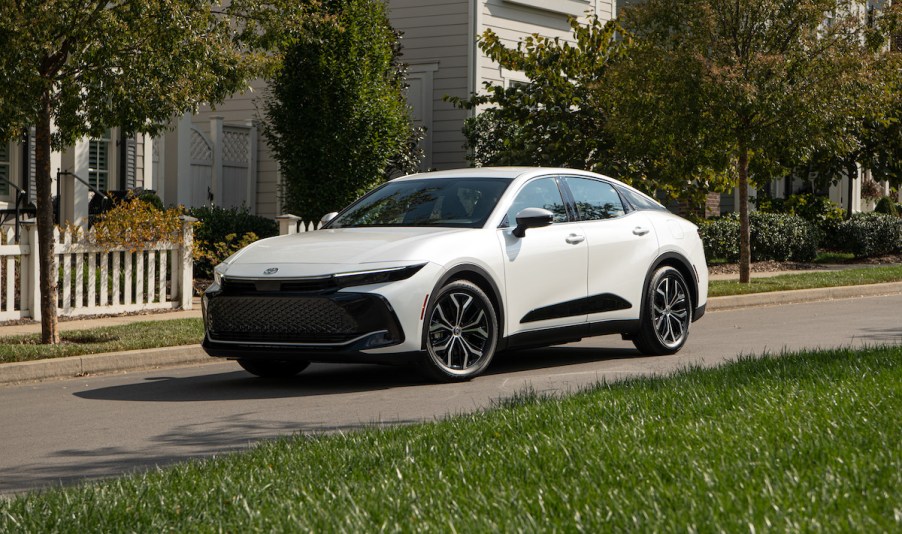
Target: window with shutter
(5,171)
(99,162)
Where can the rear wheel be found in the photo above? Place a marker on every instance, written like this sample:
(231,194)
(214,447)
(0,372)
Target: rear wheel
(461,333)
(666,314)
(273,368)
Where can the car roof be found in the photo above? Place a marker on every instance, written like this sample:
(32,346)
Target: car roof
(510,173)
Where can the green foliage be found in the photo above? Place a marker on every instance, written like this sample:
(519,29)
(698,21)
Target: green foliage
(870,234)
(774,236)
(338,121)
(887,206)
(557,118)
(151,198)
(222,231)
(99,65)
(728,89)
(816,209)
(720,237)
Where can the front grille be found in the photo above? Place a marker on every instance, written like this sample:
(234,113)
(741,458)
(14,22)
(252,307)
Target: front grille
(331,319)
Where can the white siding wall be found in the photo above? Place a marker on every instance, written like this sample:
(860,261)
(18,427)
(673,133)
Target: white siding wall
(239,109)
(436,35)
(513,20)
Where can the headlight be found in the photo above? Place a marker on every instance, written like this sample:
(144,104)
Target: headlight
(220,270)
(379,276)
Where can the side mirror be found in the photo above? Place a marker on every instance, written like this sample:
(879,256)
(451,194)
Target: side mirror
(532,218)
(328,217)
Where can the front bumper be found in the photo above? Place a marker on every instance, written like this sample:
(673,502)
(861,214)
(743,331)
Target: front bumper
(327,325)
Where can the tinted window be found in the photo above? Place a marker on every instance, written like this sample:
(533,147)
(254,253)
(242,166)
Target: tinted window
(640,201)
(595,199)
(541,193)
(464,203)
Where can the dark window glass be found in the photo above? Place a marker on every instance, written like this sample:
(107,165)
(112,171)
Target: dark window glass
(595,199)
(541,193)
(454,202)
(640,201)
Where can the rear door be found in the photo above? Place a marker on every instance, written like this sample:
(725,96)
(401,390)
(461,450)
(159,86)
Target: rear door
(621,246)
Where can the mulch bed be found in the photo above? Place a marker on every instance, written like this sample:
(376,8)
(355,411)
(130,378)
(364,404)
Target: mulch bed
(774,266)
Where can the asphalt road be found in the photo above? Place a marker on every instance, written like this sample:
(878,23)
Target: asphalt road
(65,431)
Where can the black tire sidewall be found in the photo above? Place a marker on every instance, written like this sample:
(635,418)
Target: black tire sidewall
(648,341)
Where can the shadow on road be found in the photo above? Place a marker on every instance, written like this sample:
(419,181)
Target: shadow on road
(332,379)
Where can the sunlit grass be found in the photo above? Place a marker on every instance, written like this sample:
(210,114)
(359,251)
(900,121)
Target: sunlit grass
(809,280)
(803,442)
(140,335)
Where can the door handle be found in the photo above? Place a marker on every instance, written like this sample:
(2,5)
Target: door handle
(575,239)
(640,230)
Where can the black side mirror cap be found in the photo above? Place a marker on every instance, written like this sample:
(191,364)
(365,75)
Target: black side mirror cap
(532,218)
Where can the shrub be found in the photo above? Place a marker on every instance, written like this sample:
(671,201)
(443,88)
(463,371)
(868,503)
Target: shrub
(887,206)
(222,231)
(816,209)
(870,234)
(781,237)
(721,237)
(133,223)
(774,237)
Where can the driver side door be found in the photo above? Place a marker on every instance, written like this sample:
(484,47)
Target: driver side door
(546,271)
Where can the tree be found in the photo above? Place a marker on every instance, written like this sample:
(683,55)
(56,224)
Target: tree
(83,66)
(558,117)
(561,116)
(743,85)
(337,119)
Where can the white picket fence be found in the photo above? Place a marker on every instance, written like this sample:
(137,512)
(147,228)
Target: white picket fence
(92,280)
(292,224)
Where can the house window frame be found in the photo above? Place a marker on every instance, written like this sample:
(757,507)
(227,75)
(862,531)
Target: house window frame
(6,162)
(98,177)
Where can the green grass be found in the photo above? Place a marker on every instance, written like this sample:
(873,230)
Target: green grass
(141,335)
(804,442)
(785,282)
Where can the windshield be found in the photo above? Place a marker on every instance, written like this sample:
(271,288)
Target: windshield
(454,202)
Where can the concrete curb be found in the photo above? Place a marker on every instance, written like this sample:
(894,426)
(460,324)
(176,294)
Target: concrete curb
(74,366)
(802,295)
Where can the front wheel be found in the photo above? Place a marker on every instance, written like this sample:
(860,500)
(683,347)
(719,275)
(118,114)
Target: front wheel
(273,368)
(461,333)
(666,314)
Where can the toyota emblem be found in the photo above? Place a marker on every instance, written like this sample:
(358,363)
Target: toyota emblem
(271,270)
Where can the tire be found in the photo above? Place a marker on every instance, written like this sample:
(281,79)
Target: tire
(460,333)
(666,314)
(273,368)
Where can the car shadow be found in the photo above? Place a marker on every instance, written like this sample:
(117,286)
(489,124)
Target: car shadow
(333,379)
(882,335)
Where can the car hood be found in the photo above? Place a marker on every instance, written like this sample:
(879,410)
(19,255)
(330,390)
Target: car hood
(339,250)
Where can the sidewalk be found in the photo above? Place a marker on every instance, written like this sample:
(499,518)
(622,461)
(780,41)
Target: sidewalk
(117,362)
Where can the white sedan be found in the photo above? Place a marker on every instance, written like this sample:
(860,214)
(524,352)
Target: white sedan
(444,269)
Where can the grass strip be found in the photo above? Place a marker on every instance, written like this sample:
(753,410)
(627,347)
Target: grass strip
(802,442)
(811,280)
(140,335)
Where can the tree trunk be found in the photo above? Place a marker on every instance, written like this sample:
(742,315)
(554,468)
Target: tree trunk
(44,202)
(745,241)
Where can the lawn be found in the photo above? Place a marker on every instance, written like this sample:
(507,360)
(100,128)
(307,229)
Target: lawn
(801,442)
(141,335)
(786,282)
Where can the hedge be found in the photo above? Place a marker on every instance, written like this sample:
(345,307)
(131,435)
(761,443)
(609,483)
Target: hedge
(774,236)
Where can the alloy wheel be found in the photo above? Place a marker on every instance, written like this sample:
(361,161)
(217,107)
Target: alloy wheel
(670,311)
(460,332)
